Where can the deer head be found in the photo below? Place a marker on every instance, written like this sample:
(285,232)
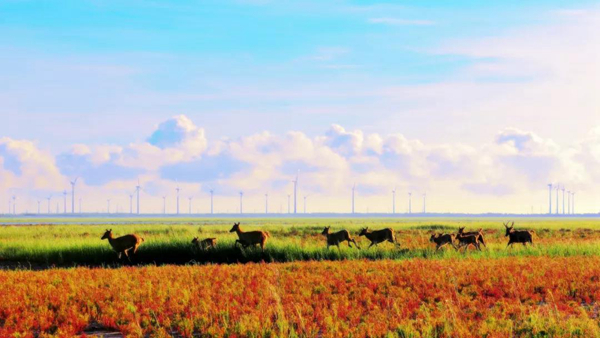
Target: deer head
(236,227)
(107,234)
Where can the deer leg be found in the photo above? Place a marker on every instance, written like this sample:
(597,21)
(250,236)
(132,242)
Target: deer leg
(135,248)
(127,255)
(372,243)
(119,255)
(358,247)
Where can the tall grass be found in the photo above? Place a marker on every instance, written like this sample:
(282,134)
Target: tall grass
(291,240)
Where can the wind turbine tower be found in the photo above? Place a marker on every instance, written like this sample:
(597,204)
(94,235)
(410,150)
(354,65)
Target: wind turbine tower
(563,191)
(131,203)
(137,191)
(73,194)
(550,198)
(108,205)
(164,205)
(266,203)
(65,201)
(305,203)
(410,202)
(177,189)
(190,205)
(38,207)
(48,198)
(295,191)
(241,202)
(14,198)
(557,189)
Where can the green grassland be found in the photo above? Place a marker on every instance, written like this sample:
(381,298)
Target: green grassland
(44,242)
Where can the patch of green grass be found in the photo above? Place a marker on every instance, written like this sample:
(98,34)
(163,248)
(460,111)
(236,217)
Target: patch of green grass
(168,241)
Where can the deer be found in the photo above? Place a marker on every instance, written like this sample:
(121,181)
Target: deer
(123,245)
(337,237)
(471,233)
(205,244)
(518,236)
(379,236)
(468,240)
(441,240)
(249,238)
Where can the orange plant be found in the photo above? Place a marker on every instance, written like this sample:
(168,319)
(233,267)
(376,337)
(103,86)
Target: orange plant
(447,298)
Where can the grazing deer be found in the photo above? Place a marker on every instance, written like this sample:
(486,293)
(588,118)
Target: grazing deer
(379,236)
(204,244)
(125,244)
(472,233)
(250,238)
(468,240)
(442,239)
(337,237)
(518,236)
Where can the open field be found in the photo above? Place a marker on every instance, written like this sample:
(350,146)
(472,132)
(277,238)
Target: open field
(506,297)
(291,240)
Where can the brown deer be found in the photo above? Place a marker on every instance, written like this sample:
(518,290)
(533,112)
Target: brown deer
(337,237)
(379,236)
(249,238)
(125,244)
(468,240)
(205,244)
(442,239)
(472,233)
(518,236)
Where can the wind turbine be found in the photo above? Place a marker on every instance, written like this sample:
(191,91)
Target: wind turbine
(353,190)
(305,196)
(108,206)
(550,198)
(266,203)
(73,194)
(164,205)
(563,191)
(137,191)
(568,202)
(177,189)
(394,201)
(241,200)
(131,203)
(573,201)
(296,190)
(49,198)
(14,204)
(557,189)
(190,205)
(38,201)
(211,200)
(65,201)
(9,207)
(410,202)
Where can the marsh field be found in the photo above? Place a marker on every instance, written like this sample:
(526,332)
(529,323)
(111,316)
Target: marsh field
(50,242)
(60,279)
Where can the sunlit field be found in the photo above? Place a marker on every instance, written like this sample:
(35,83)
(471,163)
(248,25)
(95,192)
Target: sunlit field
(297,286)
(169,240)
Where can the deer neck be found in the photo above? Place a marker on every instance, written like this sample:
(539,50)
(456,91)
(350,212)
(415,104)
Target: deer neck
(239,231)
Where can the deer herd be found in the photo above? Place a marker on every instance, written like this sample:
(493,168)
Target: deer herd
(129,244)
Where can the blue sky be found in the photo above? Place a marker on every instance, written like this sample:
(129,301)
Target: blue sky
(107,73)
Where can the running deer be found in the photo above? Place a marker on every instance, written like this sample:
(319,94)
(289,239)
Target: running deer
(205,244)
(472,233)
(442,239)
(379,236)
(125,244)
(249,238)
(337,237)
(518,236)
(468,240)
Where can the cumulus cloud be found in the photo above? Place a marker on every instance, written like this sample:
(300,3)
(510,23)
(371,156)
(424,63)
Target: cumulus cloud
(511,165)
